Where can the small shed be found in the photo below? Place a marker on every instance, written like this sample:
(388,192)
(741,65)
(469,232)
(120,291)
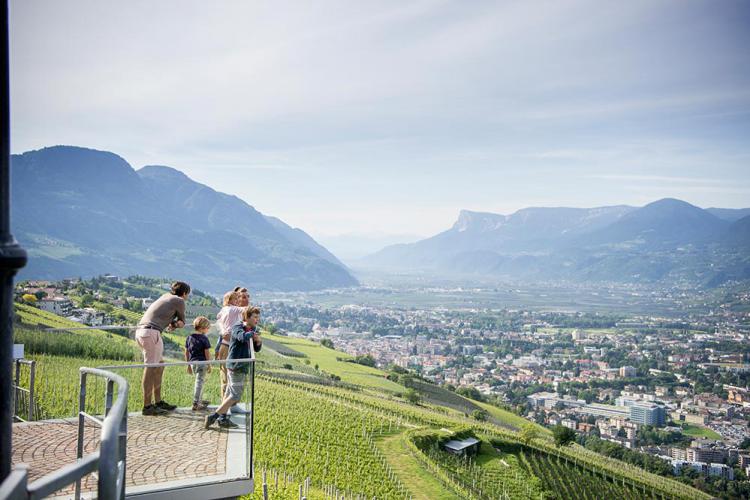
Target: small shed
(463,447)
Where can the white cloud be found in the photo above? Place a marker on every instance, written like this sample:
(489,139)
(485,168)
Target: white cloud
(342,115)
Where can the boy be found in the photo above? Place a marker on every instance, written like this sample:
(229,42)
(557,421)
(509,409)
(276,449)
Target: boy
(198,348)
(239,348)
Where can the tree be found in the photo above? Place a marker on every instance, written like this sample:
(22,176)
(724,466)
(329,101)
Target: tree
(528,433)
(366,360)
(40,294)
(480,415)
(470,392)
(87,300)
(412,396)
(29,298)
(327,343)
(563,435)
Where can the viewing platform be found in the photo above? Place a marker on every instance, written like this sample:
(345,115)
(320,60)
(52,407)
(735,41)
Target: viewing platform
(107,451)
(170,456)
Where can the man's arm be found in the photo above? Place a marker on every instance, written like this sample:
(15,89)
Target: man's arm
(179,321)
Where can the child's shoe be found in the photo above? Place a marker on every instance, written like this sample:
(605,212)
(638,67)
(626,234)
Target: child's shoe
(209,420)
(199,406)
(226,423)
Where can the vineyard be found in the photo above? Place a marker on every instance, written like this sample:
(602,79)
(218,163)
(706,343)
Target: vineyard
(308,426)
(30,330)
(489,475)
(564,481)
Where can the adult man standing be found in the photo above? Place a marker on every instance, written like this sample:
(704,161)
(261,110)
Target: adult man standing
(168,311)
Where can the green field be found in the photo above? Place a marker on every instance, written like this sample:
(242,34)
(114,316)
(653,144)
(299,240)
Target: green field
(352,373)
(699,431)
(515,421)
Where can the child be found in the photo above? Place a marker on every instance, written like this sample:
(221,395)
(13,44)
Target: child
(198,348)
(228,316)
(239,348)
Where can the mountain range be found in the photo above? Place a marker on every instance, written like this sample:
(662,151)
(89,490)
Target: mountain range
(82,212)
(668,240)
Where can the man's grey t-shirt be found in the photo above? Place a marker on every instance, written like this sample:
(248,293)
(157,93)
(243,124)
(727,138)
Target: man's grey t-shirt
(161,313)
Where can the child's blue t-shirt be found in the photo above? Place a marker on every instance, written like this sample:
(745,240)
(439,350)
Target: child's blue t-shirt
(196,345)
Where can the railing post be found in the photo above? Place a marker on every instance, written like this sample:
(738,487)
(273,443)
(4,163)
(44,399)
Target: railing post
(123,451)
(252,414)
(16,388)
(32,377)
(108,398)
(81,427)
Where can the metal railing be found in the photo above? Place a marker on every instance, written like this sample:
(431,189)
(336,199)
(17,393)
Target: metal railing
(108,461)
(23,398)
(113,446)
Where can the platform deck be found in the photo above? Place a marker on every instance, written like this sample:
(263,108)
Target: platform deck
(163,453)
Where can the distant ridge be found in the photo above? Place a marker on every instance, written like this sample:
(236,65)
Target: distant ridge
(668,240)
(82,212)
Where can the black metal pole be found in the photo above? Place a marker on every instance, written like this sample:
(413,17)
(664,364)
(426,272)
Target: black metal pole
(12,258)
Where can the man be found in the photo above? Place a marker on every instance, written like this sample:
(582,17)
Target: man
(239,348)
(168,311)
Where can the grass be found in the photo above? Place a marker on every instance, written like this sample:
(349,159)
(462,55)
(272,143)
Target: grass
(699,431)
(421,483)
(325,358)
(511,419)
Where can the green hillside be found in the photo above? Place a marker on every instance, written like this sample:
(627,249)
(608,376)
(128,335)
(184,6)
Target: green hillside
(331,361)
(360,436)
(30,329)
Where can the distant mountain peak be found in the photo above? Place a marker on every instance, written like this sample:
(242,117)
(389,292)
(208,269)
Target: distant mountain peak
(162,170)
(673,203)
(479,221)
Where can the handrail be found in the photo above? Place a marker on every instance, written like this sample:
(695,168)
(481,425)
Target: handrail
(14,486)
(109,460)
(180,363)
(17,387)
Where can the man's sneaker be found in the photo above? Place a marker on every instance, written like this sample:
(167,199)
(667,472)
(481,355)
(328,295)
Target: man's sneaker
(209,420)
(227,424)
(199,406)
(152,410)
(237,410)
(165,406)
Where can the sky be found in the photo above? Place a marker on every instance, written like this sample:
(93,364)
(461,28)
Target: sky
(384,119)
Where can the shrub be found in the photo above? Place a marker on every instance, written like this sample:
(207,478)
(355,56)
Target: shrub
(412,396)
(563,435)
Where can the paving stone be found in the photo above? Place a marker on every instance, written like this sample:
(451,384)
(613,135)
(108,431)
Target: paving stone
(164,448)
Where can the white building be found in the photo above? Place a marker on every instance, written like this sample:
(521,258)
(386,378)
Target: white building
(56,305)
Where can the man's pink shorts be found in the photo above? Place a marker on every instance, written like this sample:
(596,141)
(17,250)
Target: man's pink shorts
(151,344)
